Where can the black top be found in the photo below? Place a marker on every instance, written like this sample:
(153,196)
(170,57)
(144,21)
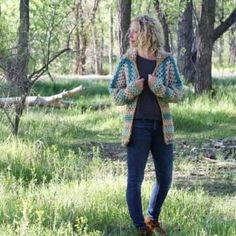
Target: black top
(147,105)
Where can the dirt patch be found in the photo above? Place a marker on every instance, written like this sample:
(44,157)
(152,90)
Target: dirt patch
(215,149)
(210,165)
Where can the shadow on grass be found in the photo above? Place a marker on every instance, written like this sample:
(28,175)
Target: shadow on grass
(225,82)
(26,174)
(196,122)
(83,139)
(91,88)
(214,187)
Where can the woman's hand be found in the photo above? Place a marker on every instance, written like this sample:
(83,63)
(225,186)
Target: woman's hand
(139,83)
(151,80)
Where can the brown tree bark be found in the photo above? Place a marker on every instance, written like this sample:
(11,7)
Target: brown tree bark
(204,47)
(163,20)
(219,50)
(124,13)
(232,45)
(20,77)
(80,42)
(184,45)
(101,50)
(84,25)
(205,39)
(96,50)
(111,41)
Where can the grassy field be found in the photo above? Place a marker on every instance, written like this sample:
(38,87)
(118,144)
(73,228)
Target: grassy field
(55,179)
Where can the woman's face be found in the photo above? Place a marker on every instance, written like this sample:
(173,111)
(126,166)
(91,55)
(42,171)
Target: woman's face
(134,34)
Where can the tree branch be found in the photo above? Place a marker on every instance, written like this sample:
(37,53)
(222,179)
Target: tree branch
(224,25)
(8,117)
(38,73)
(54,100)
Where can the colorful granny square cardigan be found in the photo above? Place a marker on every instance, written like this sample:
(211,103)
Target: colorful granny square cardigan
(167,88)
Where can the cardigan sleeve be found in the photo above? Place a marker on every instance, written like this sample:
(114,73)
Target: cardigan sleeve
(168,85)
(122,92)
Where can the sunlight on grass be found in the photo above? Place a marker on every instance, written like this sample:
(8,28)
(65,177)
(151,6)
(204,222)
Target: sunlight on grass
(100,202)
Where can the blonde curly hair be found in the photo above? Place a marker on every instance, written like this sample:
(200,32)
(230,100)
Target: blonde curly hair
(151,33)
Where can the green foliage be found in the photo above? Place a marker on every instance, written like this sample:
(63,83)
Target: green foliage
(50,25)
(8,22)
(49,30)
(171,9)
(54,19)
(224,9)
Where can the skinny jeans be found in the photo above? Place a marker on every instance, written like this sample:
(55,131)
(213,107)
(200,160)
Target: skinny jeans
(147,136)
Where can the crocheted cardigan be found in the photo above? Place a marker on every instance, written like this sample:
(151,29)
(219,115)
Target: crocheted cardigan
(167,88)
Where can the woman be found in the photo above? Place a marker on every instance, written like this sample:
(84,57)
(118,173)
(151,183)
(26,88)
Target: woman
(146,80)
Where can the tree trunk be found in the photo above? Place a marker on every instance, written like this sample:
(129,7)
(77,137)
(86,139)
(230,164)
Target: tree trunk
(23,44)
(21,77)
(220,50)
(81,41)
(96,50)
(185,41)
(204,45)
(124,23)
(19,108)
(163,21)
(101,50)
(84,23)
(232,45)
(84,44)
(77,58)
(100,46)
(111,42)
(78,18)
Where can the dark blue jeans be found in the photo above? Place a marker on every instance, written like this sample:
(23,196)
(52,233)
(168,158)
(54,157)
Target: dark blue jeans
(147,136)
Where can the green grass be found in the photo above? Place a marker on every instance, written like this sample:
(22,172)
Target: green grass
(208,116)
(51,183)
(98,205)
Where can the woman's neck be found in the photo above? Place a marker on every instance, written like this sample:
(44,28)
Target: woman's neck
(146,54)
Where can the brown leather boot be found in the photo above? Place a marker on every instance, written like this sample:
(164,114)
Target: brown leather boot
(154,226)
(144,232)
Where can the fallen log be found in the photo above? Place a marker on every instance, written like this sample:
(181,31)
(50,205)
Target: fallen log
(54,100)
